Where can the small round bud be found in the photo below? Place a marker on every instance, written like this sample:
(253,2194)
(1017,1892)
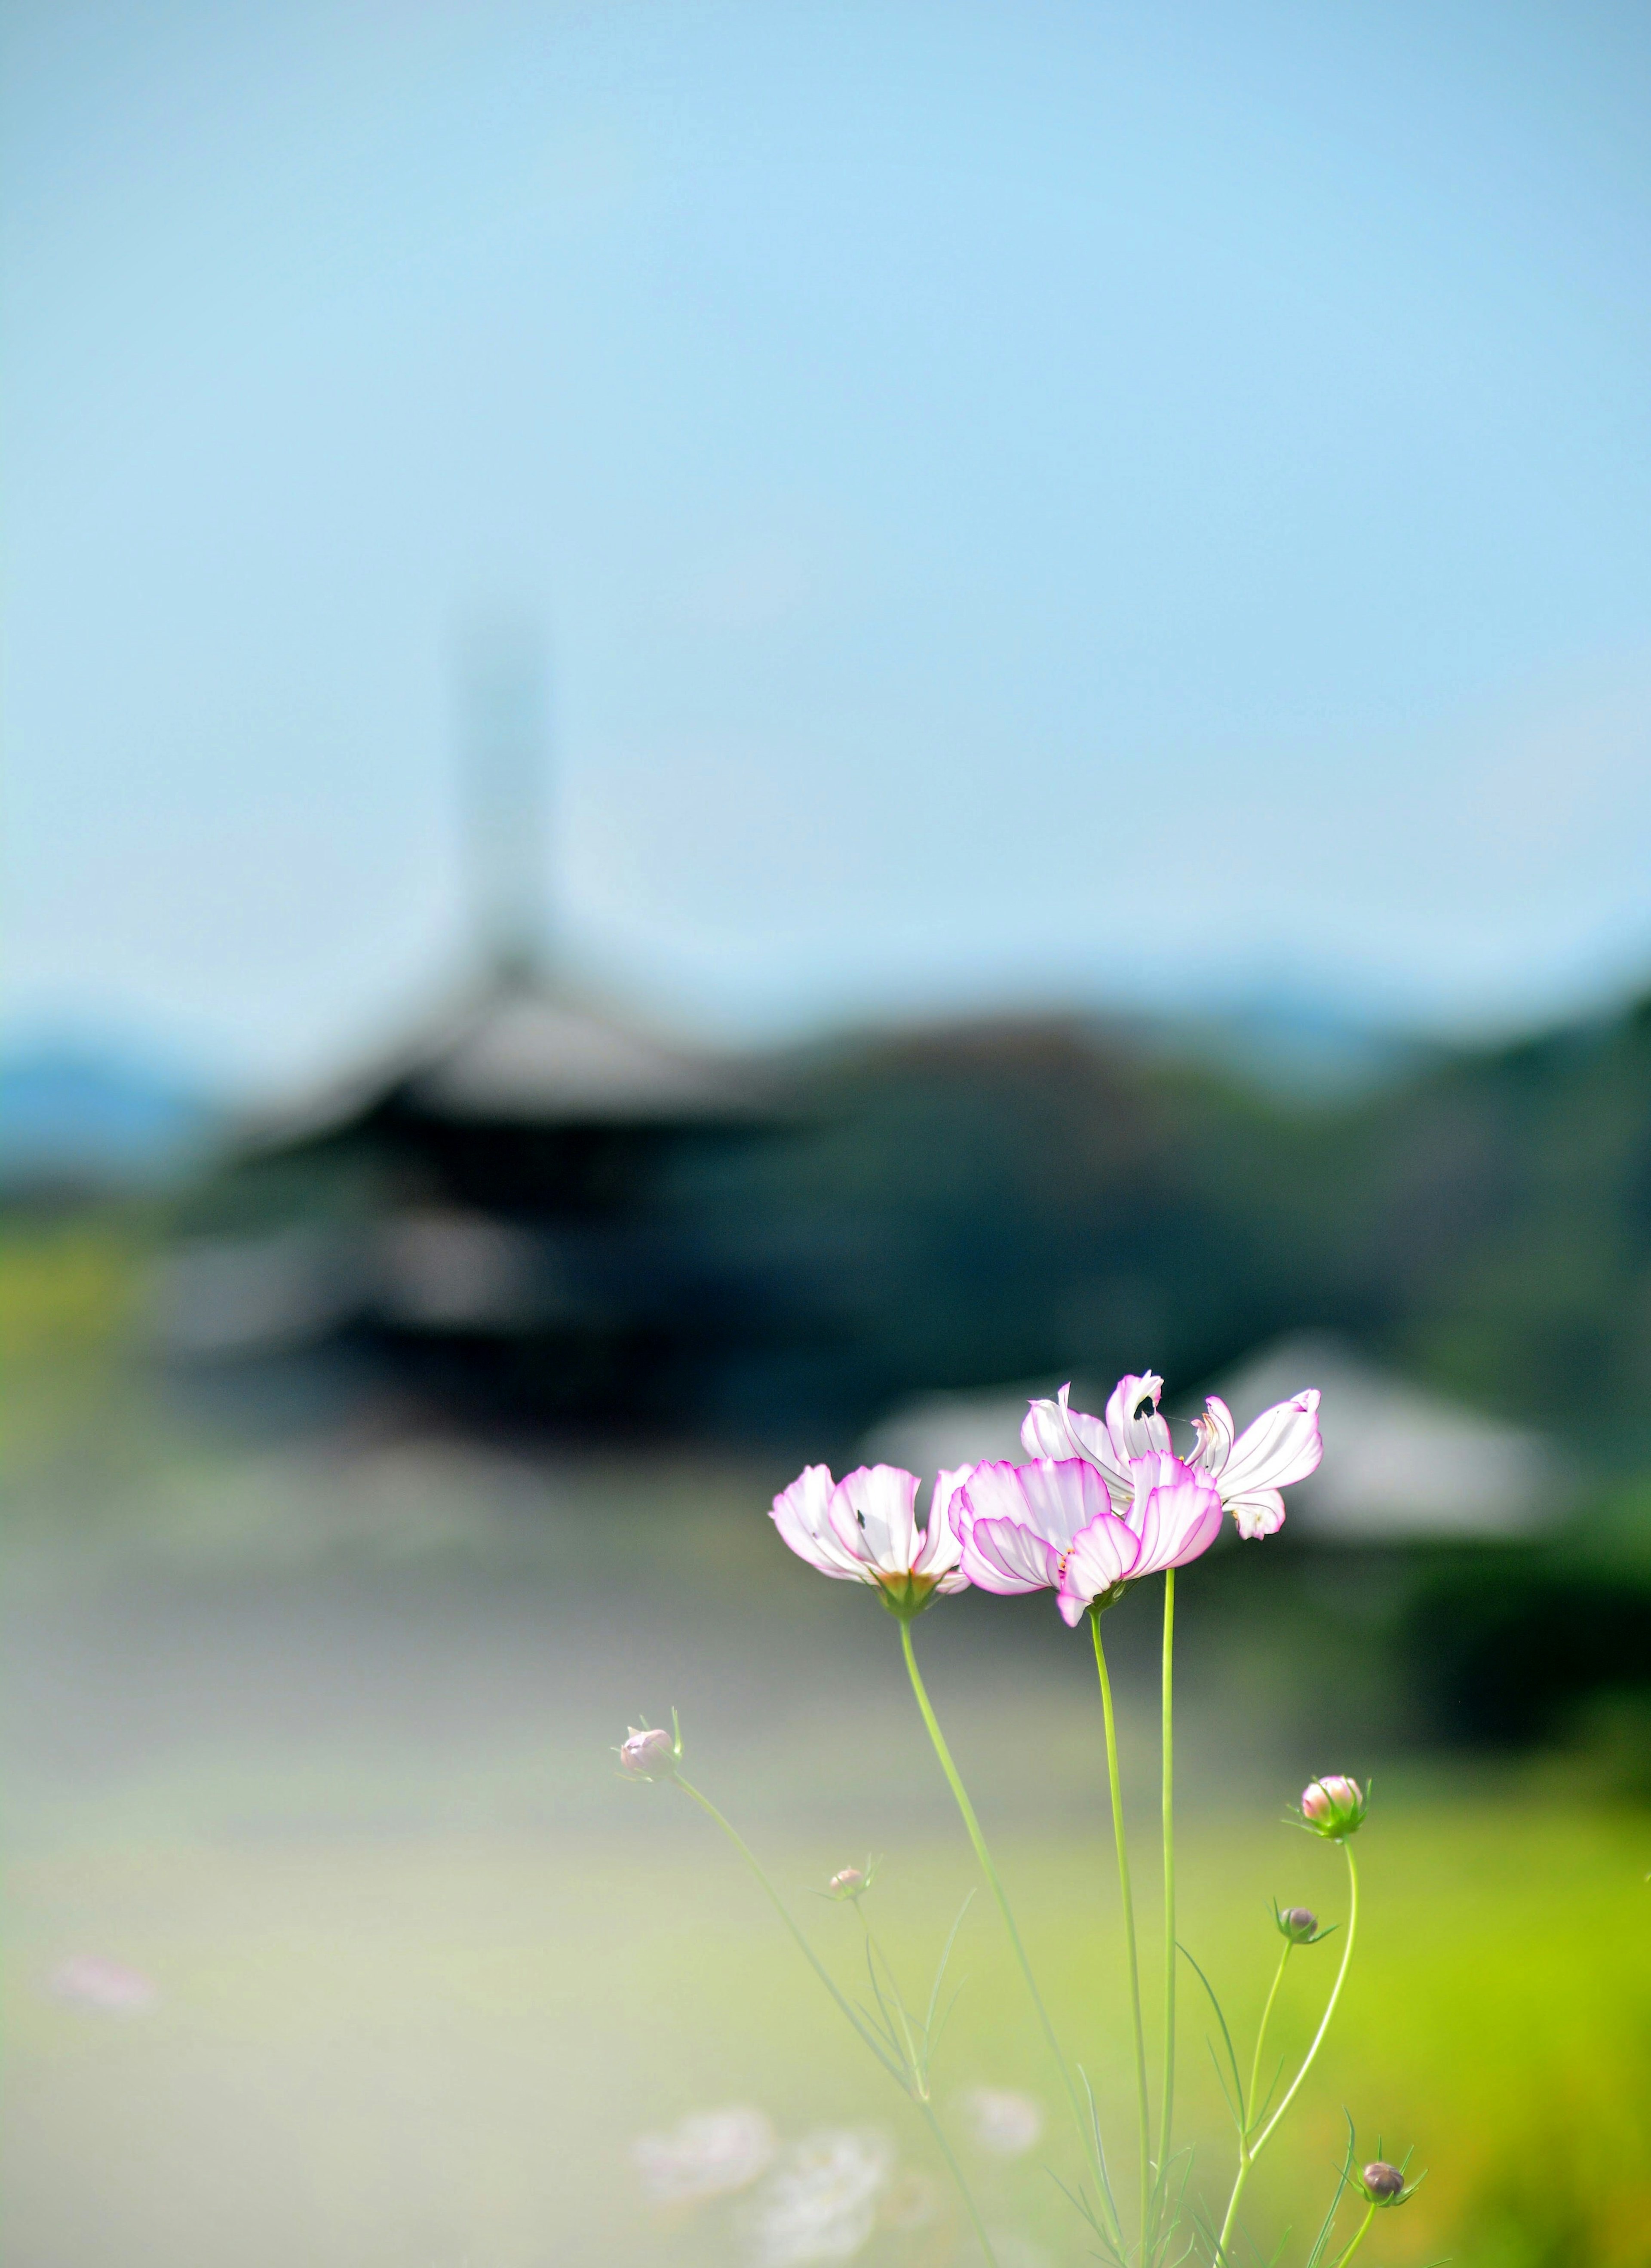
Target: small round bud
(847,1883)
(1383,2183)
(1299,1924)
(648,1754)
(1334,1805)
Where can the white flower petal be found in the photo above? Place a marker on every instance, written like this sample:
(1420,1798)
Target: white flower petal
(1063,1496)
(712,2154)
(1282,1446)
(871,1515)
(802,1515)
(942,1546)
(1134,1435)
(1006,2124)
(819,2202)
(1215,1431)
(1055,1429)
(1176,1513)
(1003,1556)
(1044,1432)
(1101,1554)
(1259,1513)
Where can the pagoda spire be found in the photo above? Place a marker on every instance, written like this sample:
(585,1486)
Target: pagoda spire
(506,735)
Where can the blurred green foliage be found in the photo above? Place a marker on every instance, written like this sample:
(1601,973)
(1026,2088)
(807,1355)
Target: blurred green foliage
(985,1202)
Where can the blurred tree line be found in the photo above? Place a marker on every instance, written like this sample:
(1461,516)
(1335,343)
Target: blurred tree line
(998,1202)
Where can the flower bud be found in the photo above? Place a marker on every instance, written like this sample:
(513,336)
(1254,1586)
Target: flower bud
(1299,1924)
(649,1754)
(848,1883)
(1383,2184)
(1334,1807)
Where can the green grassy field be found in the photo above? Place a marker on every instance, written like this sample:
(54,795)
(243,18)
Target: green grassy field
(438,2048)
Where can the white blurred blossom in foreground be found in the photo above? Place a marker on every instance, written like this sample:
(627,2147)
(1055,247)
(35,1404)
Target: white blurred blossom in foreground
(713,2154)
(87,1981)
(1004,2124)
(820,2202)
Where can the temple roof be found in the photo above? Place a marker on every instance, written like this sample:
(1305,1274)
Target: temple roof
(519,1050)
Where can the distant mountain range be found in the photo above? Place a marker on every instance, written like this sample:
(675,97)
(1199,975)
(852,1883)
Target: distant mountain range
(81,1118)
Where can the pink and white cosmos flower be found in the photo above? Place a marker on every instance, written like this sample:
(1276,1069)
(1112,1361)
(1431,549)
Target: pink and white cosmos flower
(1051,1525)
(1281,1446)
(864,1529)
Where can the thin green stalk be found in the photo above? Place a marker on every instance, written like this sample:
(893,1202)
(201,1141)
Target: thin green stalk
(1116,1780)
(908,2084)
(988,1868)
(1359,2237)
(1167,2120)
(963,2191)
(1247,2108)
(783,1911)
(1249,2151)
(1330,2009)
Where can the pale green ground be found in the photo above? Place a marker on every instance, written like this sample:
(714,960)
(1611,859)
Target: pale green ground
(436,2047)
(314,1736)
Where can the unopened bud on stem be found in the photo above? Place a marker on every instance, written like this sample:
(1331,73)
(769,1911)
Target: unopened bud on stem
(1299,1924)
(1334,1807)
(649,1754)
(1383,2184)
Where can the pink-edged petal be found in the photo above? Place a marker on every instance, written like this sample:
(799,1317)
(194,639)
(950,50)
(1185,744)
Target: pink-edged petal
(1062,1496)
(1102,1555)
(1134,1435)
(1259,1513)
(1044,1432)
(872,1513)
(801,1514)
(941,1551)
(1215,1431)
(1176,1513)
(993,1492)
(1005,1556)
(1055,1429)
(1282,1446)
(1196,1525)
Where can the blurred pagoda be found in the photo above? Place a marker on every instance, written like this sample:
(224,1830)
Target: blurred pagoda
(515,1208)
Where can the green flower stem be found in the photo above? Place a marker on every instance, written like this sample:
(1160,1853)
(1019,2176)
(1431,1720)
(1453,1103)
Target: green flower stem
(907,2083)
(1247,2108)
(1116,1780)
(783,1911)
(1249,2151)
(1330,2007)
(963,2191)
(1167,2117)
(1359,2237)
(1085,2123)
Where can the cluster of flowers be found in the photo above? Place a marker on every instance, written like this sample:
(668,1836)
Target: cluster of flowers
(1099,1504)
(1103,1502)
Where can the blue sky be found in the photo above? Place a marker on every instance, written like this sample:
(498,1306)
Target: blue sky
(1023,502)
